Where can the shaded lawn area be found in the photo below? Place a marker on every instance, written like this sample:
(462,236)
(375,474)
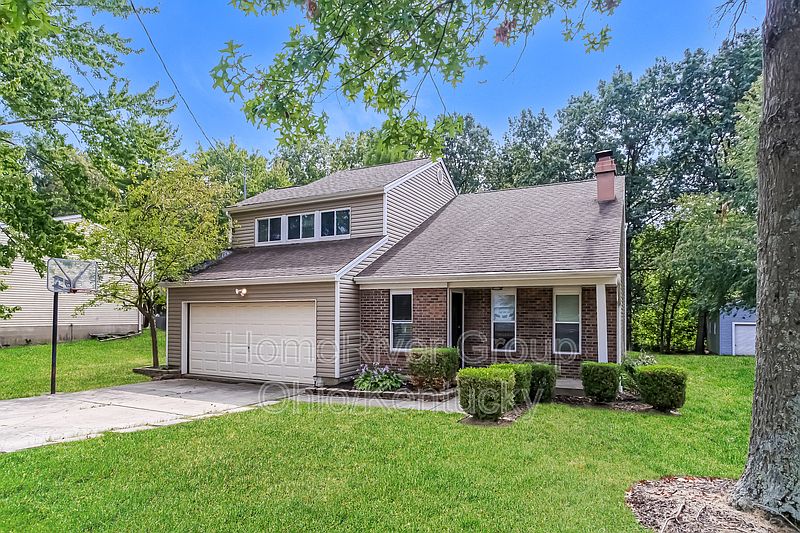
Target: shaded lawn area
(312,467)
(82,365)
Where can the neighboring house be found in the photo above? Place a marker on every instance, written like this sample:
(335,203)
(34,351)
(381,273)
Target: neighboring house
(33,322)
(362,265)
(732,332)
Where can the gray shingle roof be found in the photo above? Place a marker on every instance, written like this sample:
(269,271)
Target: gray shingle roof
(286,260)
(545,228)
(360,179)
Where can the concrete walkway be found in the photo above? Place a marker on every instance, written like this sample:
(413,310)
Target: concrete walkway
(30,422)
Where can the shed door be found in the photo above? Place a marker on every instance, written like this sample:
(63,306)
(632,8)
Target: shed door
(264,341)
(744,339)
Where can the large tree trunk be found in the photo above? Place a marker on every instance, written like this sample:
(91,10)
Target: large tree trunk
(771,478)
(153,340)
(700,337)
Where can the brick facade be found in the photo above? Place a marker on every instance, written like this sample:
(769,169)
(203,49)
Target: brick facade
(534,327)
(428,328)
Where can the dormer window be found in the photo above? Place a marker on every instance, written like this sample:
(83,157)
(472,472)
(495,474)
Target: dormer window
(335,223)
(302,227)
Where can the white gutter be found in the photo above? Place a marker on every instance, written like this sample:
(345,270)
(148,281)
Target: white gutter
(248,281)
(490,276)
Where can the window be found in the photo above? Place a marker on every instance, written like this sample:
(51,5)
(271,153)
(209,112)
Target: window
(303,227)
(269,229)
(335,223)
(504,320)
(567,322)
(400,311)
(300,226)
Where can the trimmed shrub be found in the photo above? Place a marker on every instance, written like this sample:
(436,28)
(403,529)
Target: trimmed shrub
(433,368)
(522,380)
(629,365)
(600,380)
(662,386)
(376,378)
(486,393)
(543,381)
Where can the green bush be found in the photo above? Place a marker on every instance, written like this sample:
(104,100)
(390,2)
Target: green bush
(662,386)
(376,378)
(522,380)
(486,393)
(433,368)
(629,365)
(600,380)
(543,381)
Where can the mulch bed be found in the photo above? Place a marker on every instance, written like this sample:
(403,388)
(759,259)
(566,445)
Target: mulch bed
(348,390)
(696,505)
(624,402)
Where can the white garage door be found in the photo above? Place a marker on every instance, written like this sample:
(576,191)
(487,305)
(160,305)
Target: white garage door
(744,339)
(270,341)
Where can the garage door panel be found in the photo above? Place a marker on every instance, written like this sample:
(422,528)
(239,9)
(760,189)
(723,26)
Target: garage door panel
(254,340)
(744,339)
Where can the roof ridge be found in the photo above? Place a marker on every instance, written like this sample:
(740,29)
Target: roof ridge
(535,186)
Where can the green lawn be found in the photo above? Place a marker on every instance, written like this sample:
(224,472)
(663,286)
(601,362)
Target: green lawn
(82,365)
(308,467)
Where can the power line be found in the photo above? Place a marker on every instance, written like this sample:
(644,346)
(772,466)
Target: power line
(174,83)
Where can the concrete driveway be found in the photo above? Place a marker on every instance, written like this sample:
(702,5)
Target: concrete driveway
(30,422)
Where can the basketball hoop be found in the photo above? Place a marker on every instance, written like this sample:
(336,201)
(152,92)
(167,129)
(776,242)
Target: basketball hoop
(70,276)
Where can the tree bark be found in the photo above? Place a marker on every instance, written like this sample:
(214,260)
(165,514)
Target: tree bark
(153,339)
(700,339)
(771,478)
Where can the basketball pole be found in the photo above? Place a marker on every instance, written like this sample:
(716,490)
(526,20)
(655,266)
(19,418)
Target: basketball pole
(55,344)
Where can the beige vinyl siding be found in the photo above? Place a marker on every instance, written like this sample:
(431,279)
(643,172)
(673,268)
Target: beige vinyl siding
(410,204)
(366,217)
(415,201)
(322,293)
(349,328)
(29,291)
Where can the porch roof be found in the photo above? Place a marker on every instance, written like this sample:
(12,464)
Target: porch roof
(554,228)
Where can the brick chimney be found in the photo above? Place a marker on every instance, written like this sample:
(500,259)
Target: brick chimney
(604,171)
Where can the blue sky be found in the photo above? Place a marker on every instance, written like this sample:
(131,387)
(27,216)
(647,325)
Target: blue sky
(189,34)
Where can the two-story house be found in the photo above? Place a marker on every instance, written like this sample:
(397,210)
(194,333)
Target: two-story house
(363,265)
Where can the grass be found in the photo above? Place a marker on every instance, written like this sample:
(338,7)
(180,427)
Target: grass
(82,365)
(313,467)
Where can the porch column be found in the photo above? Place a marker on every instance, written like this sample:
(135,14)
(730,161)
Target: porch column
(602,324)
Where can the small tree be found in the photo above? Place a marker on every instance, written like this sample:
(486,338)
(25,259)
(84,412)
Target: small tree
(162,227)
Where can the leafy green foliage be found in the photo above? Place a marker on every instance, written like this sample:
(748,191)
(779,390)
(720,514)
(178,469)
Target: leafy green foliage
(486,393)
(380,54)
(630,363)
(743,154)
(433,368)
(543,382)
(65,147)
(469,155)
(662,386)
(522,380)
(162,228)
(600,380)
(377,378)
(228,164)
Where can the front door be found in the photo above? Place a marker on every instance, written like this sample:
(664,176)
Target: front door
(456,318)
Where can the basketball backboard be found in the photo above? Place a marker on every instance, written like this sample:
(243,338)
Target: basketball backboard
(71,275)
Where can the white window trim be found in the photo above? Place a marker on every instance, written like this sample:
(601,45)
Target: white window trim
(317,228)
(491,310)
(560,291)
(392,322)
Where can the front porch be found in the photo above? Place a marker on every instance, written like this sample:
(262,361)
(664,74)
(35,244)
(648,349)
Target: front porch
(562,325)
